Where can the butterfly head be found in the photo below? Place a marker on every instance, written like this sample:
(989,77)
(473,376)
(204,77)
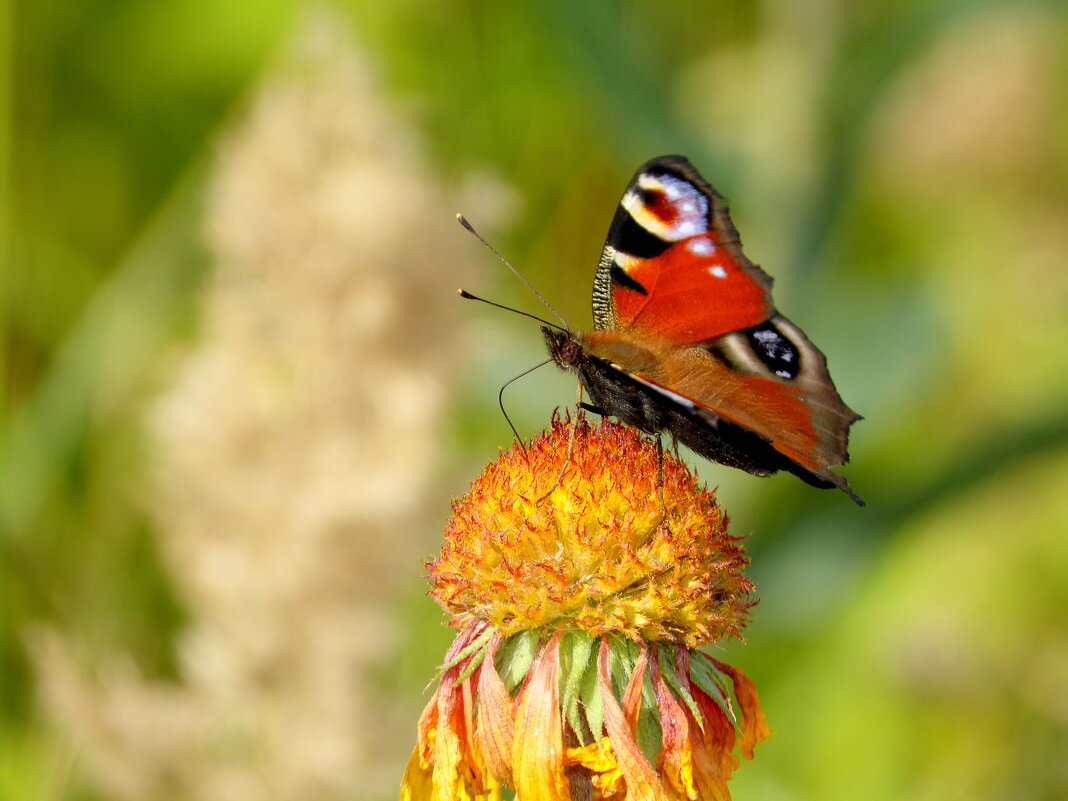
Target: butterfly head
(564,348)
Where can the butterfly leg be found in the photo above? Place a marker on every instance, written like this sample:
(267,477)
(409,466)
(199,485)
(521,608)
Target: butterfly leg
(660,474)
(570,446)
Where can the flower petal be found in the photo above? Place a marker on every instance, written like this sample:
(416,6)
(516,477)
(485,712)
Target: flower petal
(445,765)
(676,754)
(712,737)
(538,747)
(601,767)
(416,784)
(754,725)
(632,696)
(496,717)
(448,746)
(641,779)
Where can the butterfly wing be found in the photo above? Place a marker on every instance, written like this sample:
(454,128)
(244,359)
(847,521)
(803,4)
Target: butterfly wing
(672,264)
(674,285)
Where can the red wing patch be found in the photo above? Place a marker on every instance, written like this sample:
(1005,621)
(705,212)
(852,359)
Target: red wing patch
(695,291)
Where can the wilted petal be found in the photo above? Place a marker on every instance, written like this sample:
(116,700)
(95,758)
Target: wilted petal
(710,782)
(538,748)
(600,760)
(446,764)
(676,754)
(596,757)
(448,746)
(712,737)
(714,760)
(641,779)
(416,784)
(496,717)
(632,695)
(754,725)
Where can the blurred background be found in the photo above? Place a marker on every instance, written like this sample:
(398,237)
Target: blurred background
(239,394)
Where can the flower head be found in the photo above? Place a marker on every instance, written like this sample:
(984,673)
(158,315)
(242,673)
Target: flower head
(576,670)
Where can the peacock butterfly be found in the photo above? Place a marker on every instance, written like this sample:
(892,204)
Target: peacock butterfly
(687,340)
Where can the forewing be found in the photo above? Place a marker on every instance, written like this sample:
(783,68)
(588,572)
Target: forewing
(672,264)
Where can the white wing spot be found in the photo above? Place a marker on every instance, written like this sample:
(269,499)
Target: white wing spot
(672,191)
(701,247)
(717,271)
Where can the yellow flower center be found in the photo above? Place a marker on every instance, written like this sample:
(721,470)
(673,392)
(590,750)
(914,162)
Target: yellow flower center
(602,552)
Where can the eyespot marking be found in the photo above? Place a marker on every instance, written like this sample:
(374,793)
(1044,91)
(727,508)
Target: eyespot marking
(778,353)
(667,206)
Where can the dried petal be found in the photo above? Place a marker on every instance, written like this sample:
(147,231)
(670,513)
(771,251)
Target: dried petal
(638,774)
(496,717)
(676,755)
(755,727)
(538,749)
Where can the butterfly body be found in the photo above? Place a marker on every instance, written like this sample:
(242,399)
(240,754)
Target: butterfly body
(619,393)
(687,339)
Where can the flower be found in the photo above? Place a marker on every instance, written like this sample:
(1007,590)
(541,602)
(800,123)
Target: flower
(581,610)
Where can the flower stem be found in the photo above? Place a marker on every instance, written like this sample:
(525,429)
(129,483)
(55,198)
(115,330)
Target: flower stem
(578,776)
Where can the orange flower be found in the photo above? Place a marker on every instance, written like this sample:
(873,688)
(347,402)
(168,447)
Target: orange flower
(577,670)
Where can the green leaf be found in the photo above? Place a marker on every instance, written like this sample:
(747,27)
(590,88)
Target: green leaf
(650,734)
(576,649)
(620,665)
(592,704)
(470,667)
(704,674)
(479,643)
(515,657)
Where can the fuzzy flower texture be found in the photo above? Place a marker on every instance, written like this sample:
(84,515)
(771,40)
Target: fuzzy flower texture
(577,669)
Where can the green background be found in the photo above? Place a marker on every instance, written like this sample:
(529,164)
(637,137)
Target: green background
(899,167)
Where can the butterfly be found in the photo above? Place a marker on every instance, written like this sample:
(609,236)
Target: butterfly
(687,340)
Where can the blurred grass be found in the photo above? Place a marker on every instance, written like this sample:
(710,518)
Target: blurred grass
(111,110)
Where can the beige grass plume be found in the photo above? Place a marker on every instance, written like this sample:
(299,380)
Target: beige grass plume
(294,451)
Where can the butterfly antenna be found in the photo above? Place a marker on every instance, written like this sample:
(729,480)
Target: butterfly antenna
(500,402)
(463,221)
(463,293)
